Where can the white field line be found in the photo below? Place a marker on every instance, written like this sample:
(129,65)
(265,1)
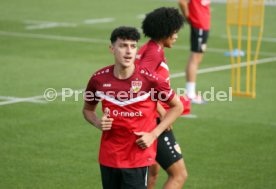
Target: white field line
(35,25)
(36,21)
(98,21)
(224,67)
(49,25)
(266,39)
(53,37)
(39,25)
(17,100)
(221,51)
(190,116)
(10,98)
(141,16)
(93,40)
(176,75)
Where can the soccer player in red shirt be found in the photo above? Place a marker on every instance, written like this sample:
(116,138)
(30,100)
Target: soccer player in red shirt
(197,12)
(162,26)
(128,94)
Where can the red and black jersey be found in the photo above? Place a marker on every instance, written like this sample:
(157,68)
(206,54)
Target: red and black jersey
(131,103)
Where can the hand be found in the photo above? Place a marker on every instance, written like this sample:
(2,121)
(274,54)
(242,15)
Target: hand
(145,140)
(106,123)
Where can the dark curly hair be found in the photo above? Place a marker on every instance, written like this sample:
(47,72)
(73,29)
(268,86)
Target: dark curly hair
(162,23)
(125,32)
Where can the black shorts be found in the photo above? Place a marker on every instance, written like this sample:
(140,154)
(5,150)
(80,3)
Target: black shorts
(168,151)
(124,178)
(198,39)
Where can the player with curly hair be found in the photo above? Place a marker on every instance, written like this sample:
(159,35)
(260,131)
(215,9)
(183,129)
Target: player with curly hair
(162,26)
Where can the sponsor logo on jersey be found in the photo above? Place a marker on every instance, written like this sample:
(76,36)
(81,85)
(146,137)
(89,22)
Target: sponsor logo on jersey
(117,113)
(136,86)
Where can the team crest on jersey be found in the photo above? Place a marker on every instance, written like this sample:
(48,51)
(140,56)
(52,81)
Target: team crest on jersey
(136,86)
(177,148)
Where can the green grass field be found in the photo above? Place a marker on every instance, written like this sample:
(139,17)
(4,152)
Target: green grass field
(55,44)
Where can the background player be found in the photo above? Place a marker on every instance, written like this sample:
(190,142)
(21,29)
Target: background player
(162,26)
(197,12)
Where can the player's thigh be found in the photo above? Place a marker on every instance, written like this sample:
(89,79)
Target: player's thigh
(154,169)
(111,177)
(168,150)
(178,168)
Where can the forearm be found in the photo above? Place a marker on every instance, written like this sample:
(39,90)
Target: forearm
(92,118)
(175,110)
(183,4)
(161,111)
(168,120)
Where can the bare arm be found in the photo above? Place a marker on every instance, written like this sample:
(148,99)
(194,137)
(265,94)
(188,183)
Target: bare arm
(174,112)
(183,4)
(161,111)
(90,114)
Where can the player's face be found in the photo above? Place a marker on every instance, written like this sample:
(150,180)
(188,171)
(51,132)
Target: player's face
(124,52)
(168,42)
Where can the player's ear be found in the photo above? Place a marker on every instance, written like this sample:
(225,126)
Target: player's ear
(111,48)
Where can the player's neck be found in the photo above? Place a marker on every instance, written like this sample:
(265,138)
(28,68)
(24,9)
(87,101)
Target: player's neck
(160,43)
(121,72)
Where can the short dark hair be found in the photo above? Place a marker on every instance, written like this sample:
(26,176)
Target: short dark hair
(125,33)
(162,23)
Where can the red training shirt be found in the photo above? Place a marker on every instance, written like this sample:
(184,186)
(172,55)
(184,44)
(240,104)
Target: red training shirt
(199,14)
(129,102)
(152,56)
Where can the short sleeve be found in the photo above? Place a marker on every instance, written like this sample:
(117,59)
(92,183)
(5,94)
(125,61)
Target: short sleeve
(163,91)
(90,92)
